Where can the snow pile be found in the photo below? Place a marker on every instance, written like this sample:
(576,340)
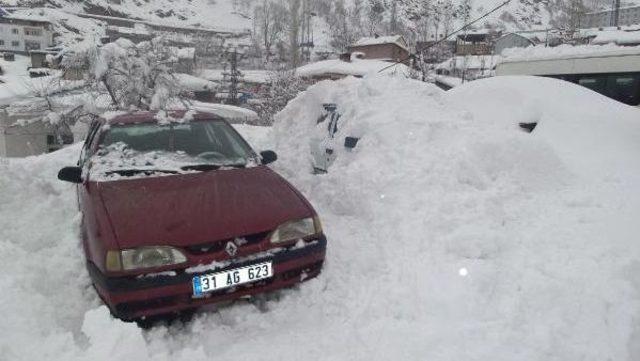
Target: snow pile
(544,224)
(452,235)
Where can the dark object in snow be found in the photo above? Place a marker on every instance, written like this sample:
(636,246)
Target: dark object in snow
(528,127)
(350,142)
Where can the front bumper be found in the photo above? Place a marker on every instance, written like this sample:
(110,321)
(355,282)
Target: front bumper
(132,298)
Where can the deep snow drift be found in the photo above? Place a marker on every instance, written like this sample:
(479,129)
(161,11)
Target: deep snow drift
(452,235)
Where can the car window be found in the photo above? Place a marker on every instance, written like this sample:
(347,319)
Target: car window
(623,88)
(213,141)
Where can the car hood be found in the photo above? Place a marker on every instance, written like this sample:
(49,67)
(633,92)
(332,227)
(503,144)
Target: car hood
(198,208)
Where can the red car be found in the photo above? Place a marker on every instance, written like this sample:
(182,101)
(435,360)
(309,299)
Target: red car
(182,213)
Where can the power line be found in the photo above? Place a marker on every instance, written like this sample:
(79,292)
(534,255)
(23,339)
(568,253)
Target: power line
(446,37)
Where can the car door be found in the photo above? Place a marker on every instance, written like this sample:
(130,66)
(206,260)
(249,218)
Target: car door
(88,226)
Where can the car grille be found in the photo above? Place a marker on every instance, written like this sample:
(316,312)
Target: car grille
(217,246)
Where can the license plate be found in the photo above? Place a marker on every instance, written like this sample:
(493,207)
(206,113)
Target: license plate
(217,281)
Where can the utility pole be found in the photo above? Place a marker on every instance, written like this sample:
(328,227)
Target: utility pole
(615,15)
(233,77)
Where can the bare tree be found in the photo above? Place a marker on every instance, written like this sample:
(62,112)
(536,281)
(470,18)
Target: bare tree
(294,29)
(269,23)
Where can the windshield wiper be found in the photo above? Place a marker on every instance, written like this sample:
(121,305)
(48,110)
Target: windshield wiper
(132,172)
(209,166)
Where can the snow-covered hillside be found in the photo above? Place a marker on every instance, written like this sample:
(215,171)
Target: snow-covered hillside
(237,15)
(453,235)
(229,14)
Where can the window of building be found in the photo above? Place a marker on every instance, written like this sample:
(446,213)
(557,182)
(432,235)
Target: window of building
(33,31)
(32,45)
(15,31)
(1,42)
(15,44)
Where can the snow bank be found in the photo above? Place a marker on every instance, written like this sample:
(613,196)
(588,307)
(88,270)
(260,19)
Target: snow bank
(452,235)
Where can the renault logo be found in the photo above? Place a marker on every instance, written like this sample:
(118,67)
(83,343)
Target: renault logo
(231,249)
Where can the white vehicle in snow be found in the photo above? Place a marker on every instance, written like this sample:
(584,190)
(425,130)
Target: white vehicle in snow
(615,74)
(327,138)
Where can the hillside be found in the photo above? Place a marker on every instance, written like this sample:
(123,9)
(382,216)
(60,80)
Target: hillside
(237,14)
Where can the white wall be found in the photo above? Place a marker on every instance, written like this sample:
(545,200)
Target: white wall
(8,36)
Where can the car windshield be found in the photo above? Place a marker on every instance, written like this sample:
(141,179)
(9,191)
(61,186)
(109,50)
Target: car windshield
(167,148)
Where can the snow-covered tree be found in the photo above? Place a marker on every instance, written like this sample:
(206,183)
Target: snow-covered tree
(134,76)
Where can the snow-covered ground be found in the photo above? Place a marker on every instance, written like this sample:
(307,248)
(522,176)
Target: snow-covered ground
(453,235)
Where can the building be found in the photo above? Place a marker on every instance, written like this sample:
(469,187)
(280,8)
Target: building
(387,48)
(25,134)
(479,42)
(469,67)
(435,52)
(334,69)
(599,19)
(23,34)
(516,40)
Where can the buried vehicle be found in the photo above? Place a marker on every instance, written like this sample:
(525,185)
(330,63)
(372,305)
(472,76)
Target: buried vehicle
(181,213)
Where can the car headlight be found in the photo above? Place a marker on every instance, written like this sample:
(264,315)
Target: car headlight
(297,229)
(143,257)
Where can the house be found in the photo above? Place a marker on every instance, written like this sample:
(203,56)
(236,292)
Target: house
(137,34)
(25,134)
(436,51)
(469,67)
(182,60)
(334,69)
(517,40)
(478,42)
(21,34)
(387,48)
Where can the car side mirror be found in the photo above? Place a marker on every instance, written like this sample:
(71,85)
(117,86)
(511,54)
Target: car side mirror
(70,174)
(350,142)
(268,156)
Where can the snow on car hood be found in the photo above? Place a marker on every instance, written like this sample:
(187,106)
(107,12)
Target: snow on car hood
(203,207)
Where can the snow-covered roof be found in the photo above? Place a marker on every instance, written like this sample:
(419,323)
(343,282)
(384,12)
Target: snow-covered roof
(356,67)
(620,37)
(194,83)
(566,51)
(391,39)
(534,36)
(249,76)
(35,18)
(126,30)
(226,111)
